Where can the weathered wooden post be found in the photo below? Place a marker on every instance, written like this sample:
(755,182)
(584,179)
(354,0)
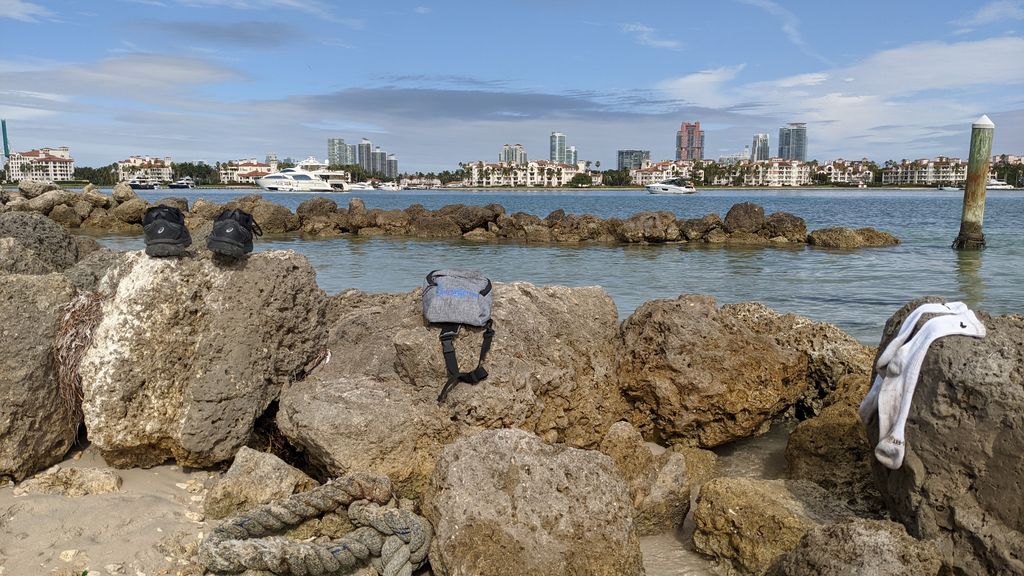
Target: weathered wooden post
(971,236)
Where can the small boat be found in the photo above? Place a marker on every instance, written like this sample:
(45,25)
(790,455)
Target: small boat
(951,188)
(672,186)
(183,182)
(994,184)
(358,186)
(143,183)
(389,186)
(294,180)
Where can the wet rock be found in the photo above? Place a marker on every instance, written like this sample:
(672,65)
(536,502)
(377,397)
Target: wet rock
(65,216)
(585,228)
(504,502)
(871,237)
(959,485)
(30,188)
(122,192)
(650,227)
(97,198)
(357,216)
(859,547)
(178,202)
(130,211)
(74,482)
(792,228)
(847,239)
(516,225)
(392,222)
(254,479)
(701,376)
(700,464)
(318,206)
(479,235)
(434,227)
(47,200)
(82,208)
(751,523)
(697,228)
(741,238)
(272,218)
(658,484)
(744,217)
(220,340)
(49,241)
(468,217)
(87,245)
(37,425)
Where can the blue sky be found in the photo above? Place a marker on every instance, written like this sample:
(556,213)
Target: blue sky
(437,83)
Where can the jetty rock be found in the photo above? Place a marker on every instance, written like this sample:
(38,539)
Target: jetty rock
(254,479)
(188,352)
(31,188)
(48,243)
(849,239)
(504,502)
(960,483)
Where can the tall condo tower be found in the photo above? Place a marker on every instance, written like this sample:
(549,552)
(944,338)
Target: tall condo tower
(759,149)
(512,154)
(557,147)
(690,142)
(633,159)
(364,149)
(337,152)
(793,141)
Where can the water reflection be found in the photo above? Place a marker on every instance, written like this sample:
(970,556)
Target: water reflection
(968,268)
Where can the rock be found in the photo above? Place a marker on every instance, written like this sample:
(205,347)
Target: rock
(30,188)
(872,237)
(130,211)
(847,239)
(272,218)
(47,200)
(744,217)
(468,217)
(97,198)
(363,424)
(962,473)
(751,523)
(206,210)
(392,222)
(700,464)
(254,479)
(792,228)
(122,192)
(87,272)
(741,238)
(480,235)
(859,547)
(573,228)
(49,241)
(701,376)
(698,228)
(219,342)
(73,482)
(87,245)
(516,225)
(318,206)
(505,503)
(178,202)
(658,484)
(37,426)
(82,209)
(650,227)
(90,187)
(65,216)
(357,217)
(434,227)
(15,258)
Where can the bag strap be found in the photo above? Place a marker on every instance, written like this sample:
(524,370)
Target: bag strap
(451,363)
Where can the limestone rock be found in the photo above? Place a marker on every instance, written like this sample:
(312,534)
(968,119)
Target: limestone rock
(650,227)
(792,228)
(505,503)
(65,215)
(318,206)
(434,227)
(272,218)
(36,427)
(82,209)
(97,198)
(15,258)
(49,241)
(701,376)
(130,211)
(392,222)
(697,228)
(865,547)
(205,209)
(658,484)
(72,482)
(122,192)
(959,485)
(87,272)
(218,342)
(31,188)
(255,478)
(179,202)
(751,523)
(468,217)
(47,200)
(744,217)
(847,239)
(575,228)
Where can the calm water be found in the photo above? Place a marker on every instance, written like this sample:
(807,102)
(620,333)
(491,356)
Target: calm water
(855,290)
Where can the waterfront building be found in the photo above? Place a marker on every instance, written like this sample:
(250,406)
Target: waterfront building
(416,183)
(245,171)
(659,171)
(338,153)
(633,159)
(145,167)
(570,156)
(759,148)
(793,142)
(537,173)
(557,154)
(776,173)
(42,165)
(735,158)
(940,171)
(514,154)
(378,161)
(363,151)
(1007,159)
(690,142)
(391,168)
(841,171)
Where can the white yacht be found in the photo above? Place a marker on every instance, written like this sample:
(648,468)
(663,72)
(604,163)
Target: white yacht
(994,184)
(294,180)
(672,186)
(358,186)
(388,186)
(183,182)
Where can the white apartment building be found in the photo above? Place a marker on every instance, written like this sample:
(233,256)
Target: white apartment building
(776,172)
(419,183)
(245,171)
(926,172)
(848,172)
(659,171)
(42,165)
(147,167)
(540,173)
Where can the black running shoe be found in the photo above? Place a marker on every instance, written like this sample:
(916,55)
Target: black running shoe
(166,234)
(232,233)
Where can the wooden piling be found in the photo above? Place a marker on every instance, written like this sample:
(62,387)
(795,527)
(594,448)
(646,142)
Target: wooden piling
(971,236)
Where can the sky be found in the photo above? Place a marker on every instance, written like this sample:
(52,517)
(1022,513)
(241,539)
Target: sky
(442,82)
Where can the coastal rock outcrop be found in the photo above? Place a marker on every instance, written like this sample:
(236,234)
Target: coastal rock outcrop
(38,418)
(751,523)
(960,483)
(190,352)
(32,188)
(505,503)
(46,240)
(703,377)
(254,479)
(848,239)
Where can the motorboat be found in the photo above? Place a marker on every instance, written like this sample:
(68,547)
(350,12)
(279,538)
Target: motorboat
(294,180)
(994,184)
(183,182)
(143,183)
(358,186)
(950,187)
(672,186)
(389,186)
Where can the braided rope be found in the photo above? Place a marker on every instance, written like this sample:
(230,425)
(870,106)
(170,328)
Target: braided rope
(395,541)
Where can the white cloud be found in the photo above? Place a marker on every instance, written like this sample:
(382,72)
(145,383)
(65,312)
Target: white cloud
(23,11)
(790,26)
(647,36)
(704,88)
(998,11)
(313,7)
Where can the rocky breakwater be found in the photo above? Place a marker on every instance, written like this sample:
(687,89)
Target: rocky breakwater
(745,223)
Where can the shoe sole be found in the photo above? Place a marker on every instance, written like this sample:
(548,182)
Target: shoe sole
(164,250)
(226,248)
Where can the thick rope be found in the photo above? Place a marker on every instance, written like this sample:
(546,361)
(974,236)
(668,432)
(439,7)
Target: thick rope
(394,541)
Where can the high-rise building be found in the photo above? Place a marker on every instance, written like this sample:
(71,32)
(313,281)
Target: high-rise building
(513,154)
(338,152)
(633,159)
(378,161)
(570,155)
(793,141)
(759,149)
(557,148)
(392,167)
(690,142)
(364,149)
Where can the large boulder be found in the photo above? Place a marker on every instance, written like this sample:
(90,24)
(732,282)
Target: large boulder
(190,352)
(651,227)
(505,503)
(122,192)
(87,272)
(848,239)
(434,227)
(858,546)
(698,228)
(318,206)
(130,211)
(15,258)
(960,483)
(254,479)
(67,216)
(31,188)
(744,217)
(576,228)
(701,376)
(751,523)
(47,200)
(786,225)
(47,240)
(468,217)
(39,416)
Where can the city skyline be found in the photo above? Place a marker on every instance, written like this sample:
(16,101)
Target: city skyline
(200,79)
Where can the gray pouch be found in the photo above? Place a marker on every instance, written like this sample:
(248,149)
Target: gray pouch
(453,296)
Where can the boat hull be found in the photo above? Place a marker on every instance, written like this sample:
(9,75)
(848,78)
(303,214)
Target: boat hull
(670,190)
